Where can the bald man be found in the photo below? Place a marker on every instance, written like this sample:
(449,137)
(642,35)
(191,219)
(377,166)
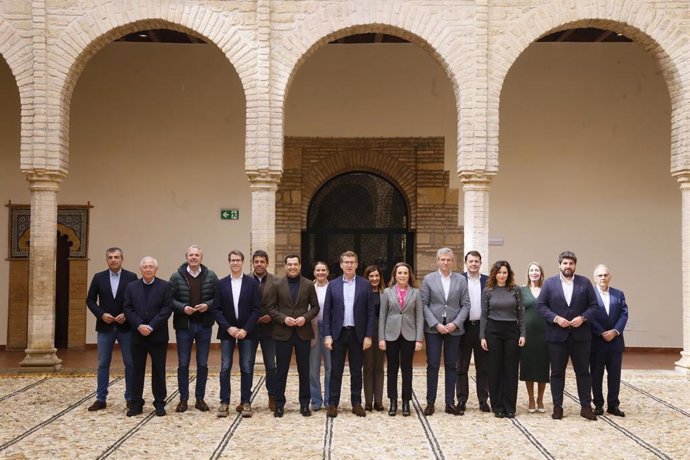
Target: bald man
(608,344)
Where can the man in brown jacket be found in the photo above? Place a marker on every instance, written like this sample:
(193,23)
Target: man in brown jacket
(292,304)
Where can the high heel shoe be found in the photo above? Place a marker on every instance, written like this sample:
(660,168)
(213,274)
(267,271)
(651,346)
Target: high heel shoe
(393,408)
(406,408)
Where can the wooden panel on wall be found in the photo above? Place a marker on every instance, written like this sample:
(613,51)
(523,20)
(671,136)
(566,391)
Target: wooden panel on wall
(18,305)
(76,337)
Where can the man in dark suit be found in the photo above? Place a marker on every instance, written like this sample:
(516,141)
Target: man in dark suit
(236,307)
(567,303)
(148,305)
(105,299)
(608,344)
(292,304)
(265,331)
(469,341)
(348,326)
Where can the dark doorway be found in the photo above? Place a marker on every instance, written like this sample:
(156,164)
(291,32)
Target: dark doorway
(62,290)
(362,212)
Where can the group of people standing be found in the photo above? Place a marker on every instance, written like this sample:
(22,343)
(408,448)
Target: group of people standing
(512,332)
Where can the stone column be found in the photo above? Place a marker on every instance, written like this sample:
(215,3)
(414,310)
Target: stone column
(263,187)
(476,186)
(684,180)
(41,352)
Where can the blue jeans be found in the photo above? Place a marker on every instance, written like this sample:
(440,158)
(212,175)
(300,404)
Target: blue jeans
(451,349)
(185,337)
(106,342)
(247,357)
(315,354)
(268,350)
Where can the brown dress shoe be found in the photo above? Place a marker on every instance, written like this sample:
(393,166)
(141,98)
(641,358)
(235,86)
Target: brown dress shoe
(97,405)
(181,406)
(358,410)
(368,406)
(557,413)
(378,406)
(201,405)
(586,412)
(333,411)
(272,403)
(239,407)
(429,409)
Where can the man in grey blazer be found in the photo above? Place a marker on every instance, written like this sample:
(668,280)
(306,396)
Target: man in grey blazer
(446,304)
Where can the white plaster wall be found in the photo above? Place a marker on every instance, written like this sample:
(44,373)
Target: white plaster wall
(157,147)
(584,165)
(13,185)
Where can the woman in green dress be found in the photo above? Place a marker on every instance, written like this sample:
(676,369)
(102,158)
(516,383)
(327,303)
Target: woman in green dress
(534,359)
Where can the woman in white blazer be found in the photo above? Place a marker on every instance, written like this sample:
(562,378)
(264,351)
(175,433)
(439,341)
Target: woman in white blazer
(401,330)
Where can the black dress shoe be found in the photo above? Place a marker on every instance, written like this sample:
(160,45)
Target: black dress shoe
(134,411)
(160,412)
(460,408)
(557,413)
(278,412)
(451,409)
(97,405)
(510,414)
(304,410)
(615,411)
(499,414)
(129,404)
(393,408)
(484,406)
(378,406)
(406,408)
(429,409)
(598,410)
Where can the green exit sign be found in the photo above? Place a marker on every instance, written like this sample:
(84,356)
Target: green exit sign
(229,214)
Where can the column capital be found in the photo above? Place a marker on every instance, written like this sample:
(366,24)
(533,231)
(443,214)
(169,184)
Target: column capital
(476,180)
(683,178)
(43,180)
(263,180)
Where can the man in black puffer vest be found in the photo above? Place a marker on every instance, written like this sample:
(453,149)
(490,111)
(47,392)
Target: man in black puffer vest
(193,290)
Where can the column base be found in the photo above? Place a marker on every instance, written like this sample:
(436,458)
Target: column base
(40,360)
(684,361)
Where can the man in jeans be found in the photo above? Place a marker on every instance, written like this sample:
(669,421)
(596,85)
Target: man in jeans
(105,300)
(193,290)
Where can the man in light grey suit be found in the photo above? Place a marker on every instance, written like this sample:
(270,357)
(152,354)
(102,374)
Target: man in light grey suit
(446,304)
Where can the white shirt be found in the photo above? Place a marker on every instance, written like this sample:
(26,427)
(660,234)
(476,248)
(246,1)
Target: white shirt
(474,286)
(115,281)
(567,286)
(605,298)
(194,274)
(321,295)
(349,300)
(236,284)
(445,282)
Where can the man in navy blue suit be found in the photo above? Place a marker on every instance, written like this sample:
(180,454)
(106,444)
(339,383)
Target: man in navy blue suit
(148,305)
(469,341)
(608,345)
(236,308)
(105,300)
(567,303)
(348,326)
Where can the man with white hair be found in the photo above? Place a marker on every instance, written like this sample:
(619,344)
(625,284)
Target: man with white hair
(148,305)
(607,326)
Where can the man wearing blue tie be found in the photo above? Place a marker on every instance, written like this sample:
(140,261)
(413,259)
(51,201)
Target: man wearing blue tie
(607,342)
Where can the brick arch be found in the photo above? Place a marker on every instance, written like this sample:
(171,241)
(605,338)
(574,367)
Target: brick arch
(402,178)
(655,32)
(332,21)
(88,34)
(16,51)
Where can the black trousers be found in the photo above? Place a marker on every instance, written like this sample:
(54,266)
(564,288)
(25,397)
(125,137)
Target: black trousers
(578,352)
(283,357)
(141,347)
(400,354)
(611,361)
(469,343)
(347,344)
(504,361)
